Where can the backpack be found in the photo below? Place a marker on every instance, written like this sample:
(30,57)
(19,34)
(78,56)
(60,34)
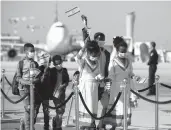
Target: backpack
(15,83)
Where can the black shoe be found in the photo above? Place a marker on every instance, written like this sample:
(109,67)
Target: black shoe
(54,122)
(102,127)
(57,129)
(46,128)
(113,128)
(93,124)
(150,94)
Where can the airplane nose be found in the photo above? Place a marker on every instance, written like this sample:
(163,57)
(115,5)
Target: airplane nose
(58,40)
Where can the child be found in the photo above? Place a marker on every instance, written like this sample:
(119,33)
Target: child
(23,77)
(59,82)
(44,90)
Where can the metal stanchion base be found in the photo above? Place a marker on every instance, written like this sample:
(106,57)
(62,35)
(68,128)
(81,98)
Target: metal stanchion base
(70,125)
(7,119)
(21,124)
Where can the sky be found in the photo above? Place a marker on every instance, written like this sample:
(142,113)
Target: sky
(152,23)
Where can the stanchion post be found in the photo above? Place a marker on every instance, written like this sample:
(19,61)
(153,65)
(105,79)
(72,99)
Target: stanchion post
(3,102)
(68,117)
(4,118)
(31,102)
(125,108)
(156,105)
(77,107)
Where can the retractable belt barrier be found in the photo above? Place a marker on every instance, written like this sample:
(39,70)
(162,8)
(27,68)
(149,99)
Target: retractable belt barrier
(165,85)
(149,100)
(60,105)
(11,101)
(107,113)
(78,94)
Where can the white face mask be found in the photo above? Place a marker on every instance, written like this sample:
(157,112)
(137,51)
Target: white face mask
(58,67)
(121,55)
(31,55)
(93,58)
(101,43)
(44,62)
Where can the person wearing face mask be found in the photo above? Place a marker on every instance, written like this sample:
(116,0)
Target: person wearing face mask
(59,81)
(88,60)
(121,69)
(23,78)
(116,41)
(103,96)
(44,89)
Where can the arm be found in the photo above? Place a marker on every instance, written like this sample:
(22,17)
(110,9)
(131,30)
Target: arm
(86,36)
(79,57)
(19,76)
(65,77)
(132,76)
(111,70)
(151,58)
(36,79)
(113,54)
(107,62)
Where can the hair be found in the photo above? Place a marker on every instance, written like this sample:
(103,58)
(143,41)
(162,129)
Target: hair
(153,44)
(76,73)
(56,57)
(99,36)
(50,60)
(122,43)
(27,45)
(117,40)
(93,48)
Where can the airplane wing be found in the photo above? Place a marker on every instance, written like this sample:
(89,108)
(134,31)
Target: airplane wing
(13,45)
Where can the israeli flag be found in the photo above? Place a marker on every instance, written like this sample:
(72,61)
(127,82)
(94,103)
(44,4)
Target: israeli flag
(73,11)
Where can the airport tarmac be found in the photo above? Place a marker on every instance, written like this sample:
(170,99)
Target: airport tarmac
(143,117)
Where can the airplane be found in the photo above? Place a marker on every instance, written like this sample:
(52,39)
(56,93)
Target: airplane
(59,41)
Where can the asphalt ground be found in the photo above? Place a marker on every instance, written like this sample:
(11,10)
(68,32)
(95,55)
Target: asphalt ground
(143,117)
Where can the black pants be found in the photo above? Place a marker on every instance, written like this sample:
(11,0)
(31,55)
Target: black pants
(45,111)
(57,120)
(151,81)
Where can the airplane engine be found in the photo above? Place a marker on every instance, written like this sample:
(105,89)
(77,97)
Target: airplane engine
(12,53)
(144,52)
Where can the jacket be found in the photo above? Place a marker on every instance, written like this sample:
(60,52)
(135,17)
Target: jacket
(44,87)
(23,73)
(65,81)
(153,60)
